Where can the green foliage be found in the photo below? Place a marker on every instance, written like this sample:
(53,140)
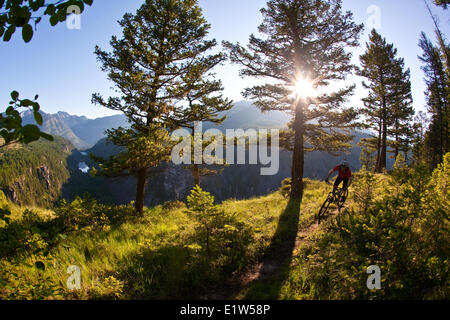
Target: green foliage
(218,232)
(154,256)
(36,233)
(159,65)
(420,125)
(388,107)
(3,200)
(85,213)
(27,243)
(286,187)
(142,153)
(173,205)
(398,222)
(368,155)
(199,144)
(163,48)
(436,142)
(139,151)
(15,283)
(22,13)
(364,190)
(33,174)
(31,232)
(403,229)
(11,128)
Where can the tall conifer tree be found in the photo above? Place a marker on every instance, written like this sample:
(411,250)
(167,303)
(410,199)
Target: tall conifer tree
(303,47)
(436,78)
(160,69)
(402,110)
(387,107)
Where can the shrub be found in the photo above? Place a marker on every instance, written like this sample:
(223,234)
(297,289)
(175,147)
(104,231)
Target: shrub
(217,230)
(3,200)
(31,232)
(286,187)
(173,205)
(21,282)
(364,190)
(85,213)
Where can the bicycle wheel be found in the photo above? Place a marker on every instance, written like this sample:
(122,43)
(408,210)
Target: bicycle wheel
(342,198)
(323,210)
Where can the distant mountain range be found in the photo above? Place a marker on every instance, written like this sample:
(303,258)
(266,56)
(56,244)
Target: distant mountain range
(84,133)
(245,115)
(174,183)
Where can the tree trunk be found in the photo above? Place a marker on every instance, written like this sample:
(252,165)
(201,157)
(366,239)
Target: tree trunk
(196,173)
(140,191)
(384,139)
(377,165)
(298,161)
(441,138)
(396,146)
(383,150)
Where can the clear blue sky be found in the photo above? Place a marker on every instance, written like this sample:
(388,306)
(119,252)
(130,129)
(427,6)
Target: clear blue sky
(59,64)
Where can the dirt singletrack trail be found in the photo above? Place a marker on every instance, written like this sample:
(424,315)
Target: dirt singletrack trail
(264,270)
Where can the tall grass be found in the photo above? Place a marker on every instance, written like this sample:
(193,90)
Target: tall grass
(151,257)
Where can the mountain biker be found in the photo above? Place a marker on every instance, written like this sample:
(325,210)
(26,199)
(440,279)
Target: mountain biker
(345,175)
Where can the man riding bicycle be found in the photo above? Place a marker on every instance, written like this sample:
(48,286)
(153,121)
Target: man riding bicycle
(345,175)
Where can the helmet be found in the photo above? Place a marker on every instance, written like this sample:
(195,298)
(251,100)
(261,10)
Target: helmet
(344,163)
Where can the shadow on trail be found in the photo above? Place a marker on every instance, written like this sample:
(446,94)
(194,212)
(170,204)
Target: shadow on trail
(275,265)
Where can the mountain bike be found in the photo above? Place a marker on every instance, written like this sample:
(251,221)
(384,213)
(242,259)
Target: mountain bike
(338,197)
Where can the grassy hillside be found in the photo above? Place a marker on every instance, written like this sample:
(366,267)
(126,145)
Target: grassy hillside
(124,256)
(398,222)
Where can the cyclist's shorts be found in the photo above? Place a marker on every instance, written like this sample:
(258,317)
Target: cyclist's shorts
(339,180)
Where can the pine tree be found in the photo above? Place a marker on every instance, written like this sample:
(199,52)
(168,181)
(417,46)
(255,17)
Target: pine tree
(401,109)
(376,65)
(368,156)
(205,103)
(445,49)
(436,78)
(216,164)
(304,48)
(158,65)
(387,108)
(140,152)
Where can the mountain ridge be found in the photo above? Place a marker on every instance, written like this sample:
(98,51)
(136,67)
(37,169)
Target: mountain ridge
(80,130)
(84,132)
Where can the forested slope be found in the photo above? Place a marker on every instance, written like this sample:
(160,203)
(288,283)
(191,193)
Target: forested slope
(34,174)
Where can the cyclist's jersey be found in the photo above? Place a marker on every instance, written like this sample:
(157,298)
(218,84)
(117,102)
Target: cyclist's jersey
(343,172)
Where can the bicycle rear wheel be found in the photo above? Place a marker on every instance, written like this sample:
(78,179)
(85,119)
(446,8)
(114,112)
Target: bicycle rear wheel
(343,195)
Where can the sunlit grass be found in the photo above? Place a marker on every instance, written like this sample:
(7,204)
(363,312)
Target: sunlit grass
(109,259)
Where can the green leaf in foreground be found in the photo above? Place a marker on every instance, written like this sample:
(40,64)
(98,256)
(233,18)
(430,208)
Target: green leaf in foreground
(27,33)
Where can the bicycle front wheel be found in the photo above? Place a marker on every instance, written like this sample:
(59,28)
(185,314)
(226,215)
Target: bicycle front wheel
(323,210)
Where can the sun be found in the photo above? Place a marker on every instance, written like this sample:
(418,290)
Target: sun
(303,88)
